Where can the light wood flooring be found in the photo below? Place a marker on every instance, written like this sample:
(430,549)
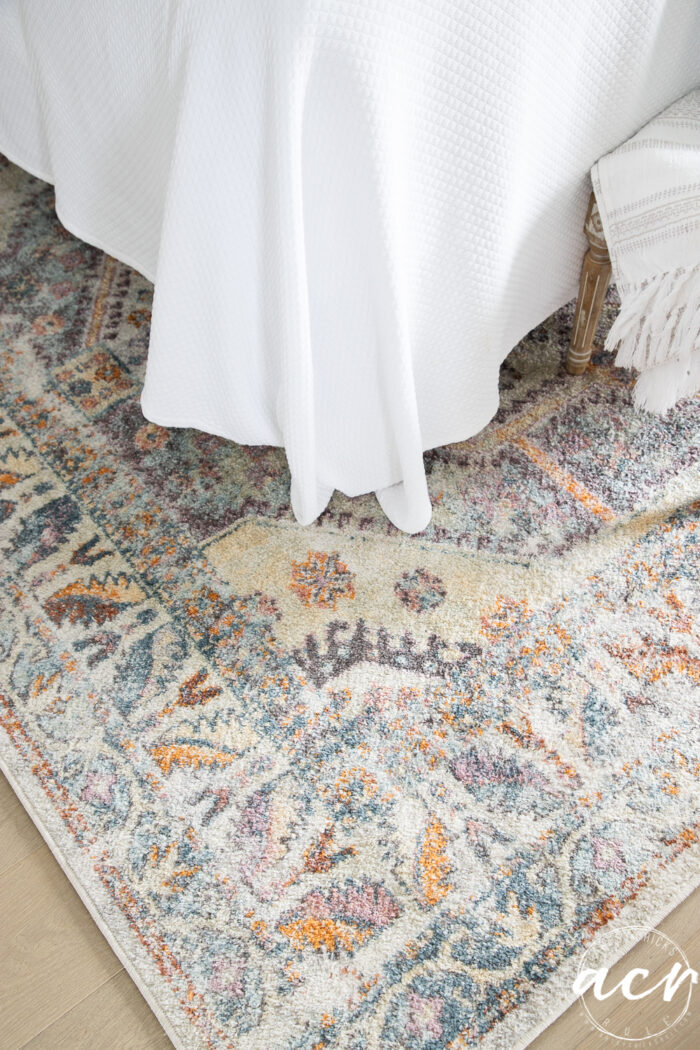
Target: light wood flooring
(62,987)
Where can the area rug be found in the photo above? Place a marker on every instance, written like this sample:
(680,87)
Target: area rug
(336,786)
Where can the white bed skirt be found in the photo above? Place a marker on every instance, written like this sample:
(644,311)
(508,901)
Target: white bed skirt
(351,209)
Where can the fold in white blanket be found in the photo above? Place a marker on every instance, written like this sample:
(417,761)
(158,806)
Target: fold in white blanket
(648,196)
(352,209)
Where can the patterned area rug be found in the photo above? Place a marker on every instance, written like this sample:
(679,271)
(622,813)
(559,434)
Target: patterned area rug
(336,786)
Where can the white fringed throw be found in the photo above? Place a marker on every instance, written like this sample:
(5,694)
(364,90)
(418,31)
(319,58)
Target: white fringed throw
(648,195)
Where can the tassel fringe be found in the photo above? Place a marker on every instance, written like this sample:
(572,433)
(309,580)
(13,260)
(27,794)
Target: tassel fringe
(658,332)
(660,388)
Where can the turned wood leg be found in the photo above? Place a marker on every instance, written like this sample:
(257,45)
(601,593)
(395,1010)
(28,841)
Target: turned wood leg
(595,279)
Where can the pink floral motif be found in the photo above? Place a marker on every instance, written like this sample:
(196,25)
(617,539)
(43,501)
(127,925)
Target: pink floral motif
(608,855)
(424,1016)
(99,788)
(227,977)
(365,904)
(71,260)
(62,289)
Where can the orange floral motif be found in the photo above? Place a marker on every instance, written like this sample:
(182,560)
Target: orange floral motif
(178,880)
(343,918)
(330,934)
(322,579)
(93,602)
(355,783)
(434,864)
(193,755)
(151,437)
(506,614)
(139,317)
(650,660)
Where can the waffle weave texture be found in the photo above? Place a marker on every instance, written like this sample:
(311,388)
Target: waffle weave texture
(352,209)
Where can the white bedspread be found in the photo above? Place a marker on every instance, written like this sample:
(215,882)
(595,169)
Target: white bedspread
(351,209)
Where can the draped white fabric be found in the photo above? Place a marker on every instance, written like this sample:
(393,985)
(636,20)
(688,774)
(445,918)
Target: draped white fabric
(351,209)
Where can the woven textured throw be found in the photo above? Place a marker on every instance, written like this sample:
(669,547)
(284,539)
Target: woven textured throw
(648,195)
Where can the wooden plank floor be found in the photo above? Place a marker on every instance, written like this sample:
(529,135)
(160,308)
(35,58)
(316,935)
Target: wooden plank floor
(62,987)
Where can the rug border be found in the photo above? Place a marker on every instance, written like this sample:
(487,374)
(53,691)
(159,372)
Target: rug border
(85,895)
(684,873)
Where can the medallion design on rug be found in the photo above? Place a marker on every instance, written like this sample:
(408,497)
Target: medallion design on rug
(336,786)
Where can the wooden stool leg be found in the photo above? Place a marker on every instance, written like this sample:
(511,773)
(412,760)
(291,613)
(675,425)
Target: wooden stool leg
(595,279)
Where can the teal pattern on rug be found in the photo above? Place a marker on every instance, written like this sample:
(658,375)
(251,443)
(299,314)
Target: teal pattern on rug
(335,786)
